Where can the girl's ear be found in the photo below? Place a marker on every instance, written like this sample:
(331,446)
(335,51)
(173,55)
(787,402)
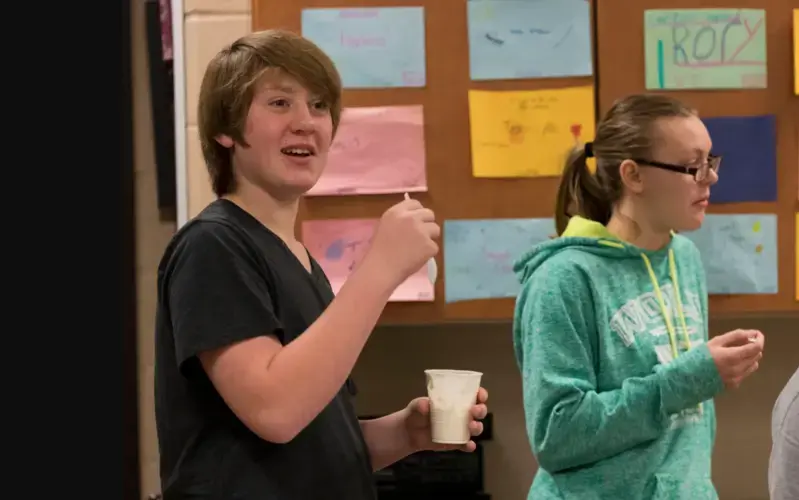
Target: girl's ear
(630,175)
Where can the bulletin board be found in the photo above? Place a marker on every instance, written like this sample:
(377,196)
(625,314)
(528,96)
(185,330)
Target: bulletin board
(619,76)
(455,193)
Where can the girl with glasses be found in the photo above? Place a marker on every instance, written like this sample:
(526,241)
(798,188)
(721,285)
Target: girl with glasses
(611,325)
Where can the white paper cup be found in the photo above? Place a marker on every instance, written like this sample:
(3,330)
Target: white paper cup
(452,394)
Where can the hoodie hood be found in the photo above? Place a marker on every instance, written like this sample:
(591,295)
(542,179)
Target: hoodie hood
(594,238)
(587,235)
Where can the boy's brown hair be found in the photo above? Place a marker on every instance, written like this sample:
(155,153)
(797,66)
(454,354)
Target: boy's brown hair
(231,81)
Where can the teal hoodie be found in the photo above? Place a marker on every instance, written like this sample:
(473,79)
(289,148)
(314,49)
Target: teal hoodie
(618,382)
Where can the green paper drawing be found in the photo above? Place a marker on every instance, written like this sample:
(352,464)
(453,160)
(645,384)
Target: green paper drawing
(705,48)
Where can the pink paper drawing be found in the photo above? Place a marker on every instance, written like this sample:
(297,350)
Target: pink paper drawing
(377,150)
(340,244)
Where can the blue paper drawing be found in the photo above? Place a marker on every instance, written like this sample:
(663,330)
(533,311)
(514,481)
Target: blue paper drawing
(529,39)
(739,253)
(341,248)
(479,255)
(371,47)
(336,250)
(748,145)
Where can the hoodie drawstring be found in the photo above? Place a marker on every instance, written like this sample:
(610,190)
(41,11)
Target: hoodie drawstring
(677,302)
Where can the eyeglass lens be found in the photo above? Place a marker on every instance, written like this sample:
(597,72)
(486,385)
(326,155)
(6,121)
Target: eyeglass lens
(704,170)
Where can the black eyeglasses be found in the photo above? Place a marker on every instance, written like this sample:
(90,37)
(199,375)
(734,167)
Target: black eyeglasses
(699,173)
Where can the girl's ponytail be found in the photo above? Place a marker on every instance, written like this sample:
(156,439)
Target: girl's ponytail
(580,193)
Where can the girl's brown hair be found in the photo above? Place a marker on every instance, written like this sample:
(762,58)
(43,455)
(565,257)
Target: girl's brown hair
(625,132)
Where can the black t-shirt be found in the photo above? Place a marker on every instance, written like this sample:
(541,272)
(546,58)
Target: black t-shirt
(225,278)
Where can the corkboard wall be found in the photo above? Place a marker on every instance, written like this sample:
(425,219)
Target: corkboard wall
(455,194)
(452,190)
(621,72)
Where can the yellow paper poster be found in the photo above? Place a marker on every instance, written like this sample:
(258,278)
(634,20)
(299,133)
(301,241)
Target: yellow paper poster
(528,133)
(796,51)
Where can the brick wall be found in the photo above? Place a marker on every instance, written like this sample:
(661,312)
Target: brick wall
(208,26)
(152,236)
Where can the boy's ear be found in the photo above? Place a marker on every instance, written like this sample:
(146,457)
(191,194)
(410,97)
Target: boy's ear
(224,140)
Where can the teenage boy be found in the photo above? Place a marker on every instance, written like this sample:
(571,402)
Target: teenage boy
(253,350)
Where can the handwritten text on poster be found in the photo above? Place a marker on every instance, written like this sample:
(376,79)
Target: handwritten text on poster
(524,39)
(705,48)
(371,47)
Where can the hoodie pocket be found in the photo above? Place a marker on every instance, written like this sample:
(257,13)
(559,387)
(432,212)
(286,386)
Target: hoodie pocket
(668,487)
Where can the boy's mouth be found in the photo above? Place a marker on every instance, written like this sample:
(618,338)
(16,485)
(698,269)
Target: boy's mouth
(298,151)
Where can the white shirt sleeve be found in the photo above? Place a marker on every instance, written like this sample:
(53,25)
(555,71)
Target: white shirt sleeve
(783,474)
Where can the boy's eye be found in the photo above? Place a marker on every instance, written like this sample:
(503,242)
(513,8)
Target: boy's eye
(279,102)
(320,105)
